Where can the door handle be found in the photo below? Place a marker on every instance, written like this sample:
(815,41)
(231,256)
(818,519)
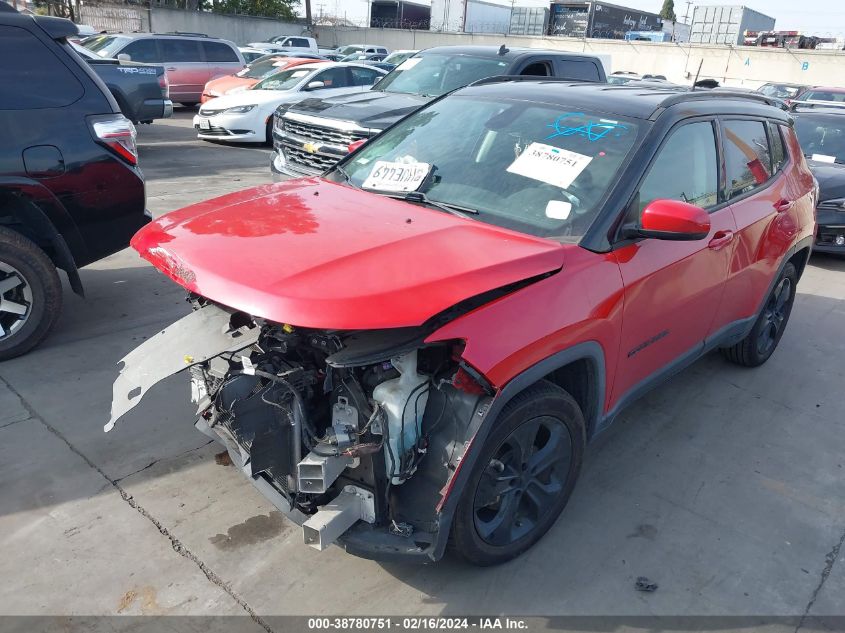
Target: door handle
(171,68)
(720,240)
(783,205)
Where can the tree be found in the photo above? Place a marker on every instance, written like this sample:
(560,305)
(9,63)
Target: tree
(281,9)
(668,10)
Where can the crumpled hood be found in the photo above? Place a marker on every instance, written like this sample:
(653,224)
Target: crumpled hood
(371,109)
(314,253)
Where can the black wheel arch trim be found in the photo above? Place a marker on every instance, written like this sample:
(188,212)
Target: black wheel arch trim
(477,433)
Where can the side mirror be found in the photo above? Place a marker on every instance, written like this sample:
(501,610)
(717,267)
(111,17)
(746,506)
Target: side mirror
(672,220)
(314,85)
(378,79)
(123,57)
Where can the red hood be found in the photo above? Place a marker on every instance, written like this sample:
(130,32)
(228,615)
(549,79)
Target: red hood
(319,254)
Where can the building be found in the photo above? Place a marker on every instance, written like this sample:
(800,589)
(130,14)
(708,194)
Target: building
(486,17)
(726,24)
(678,31)
(599,19)
(529,21)
(399,14)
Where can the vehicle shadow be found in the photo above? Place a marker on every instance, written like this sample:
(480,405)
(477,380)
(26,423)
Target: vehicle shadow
(828,261)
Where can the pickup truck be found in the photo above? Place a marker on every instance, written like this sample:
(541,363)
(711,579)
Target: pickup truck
(312,135)
(141,90)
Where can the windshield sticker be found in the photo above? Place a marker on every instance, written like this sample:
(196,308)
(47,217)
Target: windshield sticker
(388,176)
(823,158)
(552,165)
(591,130)
(558,209)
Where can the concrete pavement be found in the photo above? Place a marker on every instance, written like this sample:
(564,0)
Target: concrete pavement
(724,486)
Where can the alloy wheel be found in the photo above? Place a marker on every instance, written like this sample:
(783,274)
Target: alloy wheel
(523,481)
(774,316)
(15,300)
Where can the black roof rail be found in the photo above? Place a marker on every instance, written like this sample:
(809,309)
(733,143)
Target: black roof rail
(185,33)
(694,95)
(496,79)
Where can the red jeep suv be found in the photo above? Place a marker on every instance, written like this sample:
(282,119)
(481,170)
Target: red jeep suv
(413,349)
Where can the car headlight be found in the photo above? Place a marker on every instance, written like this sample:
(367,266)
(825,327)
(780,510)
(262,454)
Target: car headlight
(834,203)
(240,109)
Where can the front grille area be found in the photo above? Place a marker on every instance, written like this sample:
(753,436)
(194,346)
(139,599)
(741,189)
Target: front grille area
(212,131)
(321,133)
(312,162)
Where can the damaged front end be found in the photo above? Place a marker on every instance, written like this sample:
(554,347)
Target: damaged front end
(355,435)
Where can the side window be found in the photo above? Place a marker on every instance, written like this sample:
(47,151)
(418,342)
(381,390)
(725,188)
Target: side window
(333,78)
(747,158)
(219,52)
(363,76)
(32,75)
(300,42)
(578,70)
(778,147)
(180,50)
(538,69)
(145,50)
(685,168)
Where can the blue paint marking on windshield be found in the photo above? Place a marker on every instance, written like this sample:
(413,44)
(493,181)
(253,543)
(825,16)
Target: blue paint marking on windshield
(591,130)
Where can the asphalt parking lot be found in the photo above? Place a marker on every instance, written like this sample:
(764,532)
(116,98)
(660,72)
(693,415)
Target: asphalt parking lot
(724,486)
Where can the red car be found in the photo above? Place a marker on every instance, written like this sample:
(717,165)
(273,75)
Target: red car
(415,348)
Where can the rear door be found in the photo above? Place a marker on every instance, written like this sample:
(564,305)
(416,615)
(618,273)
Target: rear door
(186,67)
(764,202)
(221,59)
(673,288)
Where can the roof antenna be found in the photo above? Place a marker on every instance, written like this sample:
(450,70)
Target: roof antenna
(504,49)
(697,72)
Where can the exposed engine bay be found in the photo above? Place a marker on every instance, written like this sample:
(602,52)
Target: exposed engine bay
(336,428)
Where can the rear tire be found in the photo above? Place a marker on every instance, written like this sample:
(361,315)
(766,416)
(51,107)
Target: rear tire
(30,294)
(523,477)
(758,346)
(269,139)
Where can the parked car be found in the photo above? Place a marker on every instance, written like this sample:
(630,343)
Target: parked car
(821,96)
(784,91)
(190,60)
(292,43)
(312,135)
(397,57)
(251,54)
(141,90)
(246,115)
(821,132)
(361,48)
(416,348)
(70,189)
(359,57)
(250,75)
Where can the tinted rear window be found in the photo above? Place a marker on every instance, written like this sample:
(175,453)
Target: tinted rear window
(578,70)
(173,50)
(748,161)
(219,52)
(34,77)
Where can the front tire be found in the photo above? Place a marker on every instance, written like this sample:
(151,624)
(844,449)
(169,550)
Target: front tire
(30,294)
(758,346)
(523,477)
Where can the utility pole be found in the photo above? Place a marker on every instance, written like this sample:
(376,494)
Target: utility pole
(308,12)
(686,15)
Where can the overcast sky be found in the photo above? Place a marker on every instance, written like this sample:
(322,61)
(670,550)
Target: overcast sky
(813,17)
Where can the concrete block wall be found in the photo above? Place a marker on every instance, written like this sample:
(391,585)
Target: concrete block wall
(733,66)
(238,29)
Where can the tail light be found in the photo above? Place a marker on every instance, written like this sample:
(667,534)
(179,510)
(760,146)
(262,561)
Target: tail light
(117,133)
(164,84)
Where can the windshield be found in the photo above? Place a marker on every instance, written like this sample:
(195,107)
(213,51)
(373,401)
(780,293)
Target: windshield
(82,51)
(106,45)
(779,90)
(282,80)
(822,95)
(348,50)
(433,75)
(536,168)
(398,57)
(261,69)
(822,136)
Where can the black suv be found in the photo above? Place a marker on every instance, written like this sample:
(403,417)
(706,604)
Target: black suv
(312,135)
(70,188)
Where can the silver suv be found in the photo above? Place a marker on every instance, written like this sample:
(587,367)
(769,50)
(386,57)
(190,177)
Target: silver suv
(191,59)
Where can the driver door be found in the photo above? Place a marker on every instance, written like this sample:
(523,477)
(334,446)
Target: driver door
(673,288)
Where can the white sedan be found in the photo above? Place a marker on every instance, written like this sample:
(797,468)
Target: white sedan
(246,116)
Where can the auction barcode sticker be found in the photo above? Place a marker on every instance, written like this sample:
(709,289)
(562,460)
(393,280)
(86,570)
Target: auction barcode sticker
(553,165)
